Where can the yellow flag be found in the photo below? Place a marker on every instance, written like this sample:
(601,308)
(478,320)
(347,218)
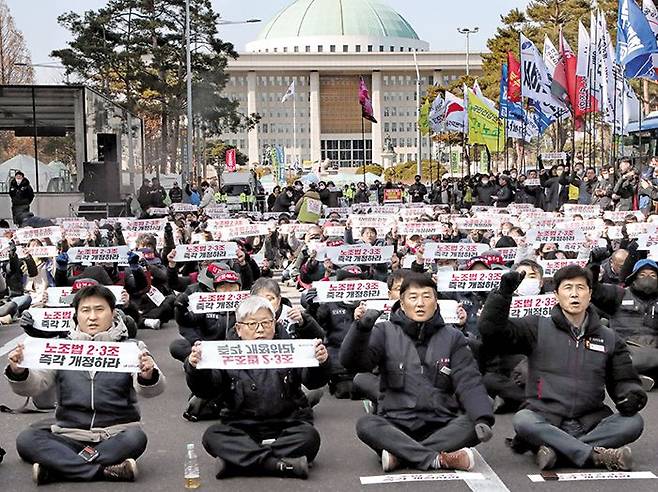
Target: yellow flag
(423,119)
(484,126)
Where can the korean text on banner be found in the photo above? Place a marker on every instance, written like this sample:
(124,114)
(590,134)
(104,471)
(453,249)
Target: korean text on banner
(257,354)
(78,355)
(212,250)
(216,302)
(53,319)
(355,290)
(478,280)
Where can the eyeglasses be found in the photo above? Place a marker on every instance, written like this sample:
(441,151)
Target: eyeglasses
(254,325)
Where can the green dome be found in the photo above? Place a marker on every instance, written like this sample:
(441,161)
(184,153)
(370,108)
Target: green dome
(310,18)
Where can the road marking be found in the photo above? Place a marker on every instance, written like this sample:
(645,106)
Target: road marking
(491,482)
(11,344)
(570,477)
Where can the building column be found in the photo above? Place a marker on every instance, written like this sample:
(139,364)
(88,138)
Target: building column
(377,133)
(254,151)
(314,114)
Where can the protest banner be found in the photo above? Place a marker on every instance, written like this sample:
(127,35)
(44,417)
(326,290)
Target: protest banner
(350,290)
(471,280)
(244,230)
(157,211)
(258,354)
(552,266)
(155,296)
(381,223)
(621,215)
(219,224)
(79,355)
(510,255)
(554,235)
(183,207)
(574,246)
(453,251)
(143,226)
(23,235)
(38,251)
(422,229)
(94,255)
(448,310)
(212,250)
(487,223)
(59,296)
(294,228)
(634,229)
(216,302)
(350,254)
(53,319)
(532,182)
(539,305)
(334,231)
(393,195)
(553,156)
(342,211)
(383,305)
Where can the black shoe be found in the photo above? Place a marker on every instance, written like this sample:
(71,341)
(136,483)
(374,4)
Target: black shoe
(220,468)
(293,467)
(343,390)
(123,472)
(41,475)
(546,458)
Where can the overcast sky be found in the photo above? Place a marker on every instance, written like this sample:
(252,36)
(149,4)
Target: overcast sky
(435,21)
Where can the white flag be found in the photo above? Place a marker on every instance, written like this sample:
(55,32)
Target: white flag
(486,100)
(455,113)
(535,79)
(437,114)
(289,93)
(605,73)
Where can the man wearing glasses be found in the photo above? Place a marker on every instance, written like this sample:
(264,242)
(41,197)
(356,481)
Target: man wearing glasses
(262,404)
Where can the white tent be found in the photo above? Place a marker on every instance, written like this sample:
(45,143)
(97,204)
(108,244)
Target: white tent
(25,163)
(58,167)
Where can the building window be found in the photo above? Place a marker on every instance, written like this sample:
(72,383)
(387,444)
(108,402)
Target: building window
(296,49)
(319,48)
(345,48)
(381,47)
(358,48)
(332,48)
(307,49)
(369,48)
(391,49)
(401,48)
(285,49)
(276,50)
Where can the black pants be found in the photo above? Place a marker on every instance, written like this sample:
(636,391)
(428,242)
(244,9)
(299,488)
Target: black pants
(645,360)
(366,385)
(180,349)
(503,386)
(60,454)
(164,312)
(18,212)
(418,447)
(239,442)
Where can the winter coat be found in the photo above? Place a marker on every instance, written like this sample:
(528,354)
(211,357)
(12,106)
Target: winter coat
(22,194)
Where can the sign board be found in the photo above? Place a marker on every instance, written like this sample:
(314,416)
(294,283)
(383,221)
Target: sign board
(258,354)
(350,290)
(216,302)
(212,250)
(468,281)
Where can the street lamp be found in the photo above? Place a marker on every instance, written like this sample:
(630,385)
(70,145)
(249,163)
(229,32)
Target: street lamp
(187,164)
(467,31)
(43,65)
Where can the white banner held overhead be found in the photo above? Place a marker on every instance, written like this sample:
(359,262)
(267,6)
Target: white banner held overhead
(57,296)
(421,228)
(485,223)
(554,235)
(453,251)
(350,290)
(78,355)
(93,255)
(219,224)
(25,234)
(469,281)
(183,207)
(552,266)
(351,254)
(246,230)
(53,319)
(212,250)
(143,226)
(448,309)
(257,354)
(539,305)
(216,302)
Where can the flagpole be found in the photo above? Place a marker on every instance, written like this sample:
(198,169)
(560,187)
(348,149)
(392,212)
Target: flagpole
(363,139)
(294,127)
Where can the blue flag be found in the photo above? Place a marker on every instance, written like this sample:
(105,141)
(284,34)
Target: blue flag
(636,42)
(506,108)
(542,120)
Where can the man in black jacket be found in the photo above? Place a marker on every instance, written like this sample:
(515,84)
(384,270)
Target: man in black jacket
(417,191)
(261,404)
(433,404)
(572,358)
(176,194)
(21,194)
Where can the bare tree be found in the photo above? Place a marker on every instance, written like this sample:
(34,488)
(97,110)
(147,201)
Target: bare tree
(15,60)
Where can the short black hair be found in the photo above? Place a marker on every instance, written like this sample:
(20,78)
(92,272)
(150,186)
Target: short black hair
(396,276)
(19,173)
(570,272)
(415,279)
(532,264)
(94,291)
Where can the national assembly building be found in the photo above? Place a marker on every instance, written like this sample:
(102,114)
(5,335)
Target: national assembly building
(324,46)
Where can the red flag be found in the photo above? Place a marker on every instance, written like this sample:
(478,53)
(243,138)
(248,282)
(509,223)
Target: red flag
(366,104)
(231,161)
(570,62)
(586,102)
(513,78)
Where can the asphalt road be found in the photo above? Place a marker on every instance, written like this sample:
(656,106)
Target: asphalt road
(340,464)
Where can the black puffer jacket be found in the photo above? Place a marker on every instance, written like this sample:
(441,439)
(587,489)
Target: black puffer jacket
(21,194)
(428,373)
(567,377)
(207,326)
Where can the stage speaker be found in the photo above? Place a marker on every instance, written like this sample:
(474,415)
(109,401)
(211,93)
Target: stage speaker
(101,179)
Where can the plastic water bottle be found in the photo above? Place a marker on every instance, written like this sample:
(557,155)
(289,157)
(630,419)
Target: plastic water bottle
(192,475)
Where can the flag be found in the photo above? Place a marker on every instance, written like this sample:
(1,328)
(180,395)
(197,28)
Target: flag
(631,104)
(570,61)
(636,42)
(423,117)
(437,114)
(289,93)
(523,130)
(230,159)
(541,118)
(651,13)
(366,104)
(585,101)
(455,114)
(605,70)
(480,94)
(535,80)
(506,108)
(514,78)
(484,126)
(557,67)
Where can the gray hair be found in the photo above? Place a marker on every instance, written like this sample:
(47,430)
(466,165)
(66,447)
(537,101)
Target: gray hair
(250,306)
(266,284)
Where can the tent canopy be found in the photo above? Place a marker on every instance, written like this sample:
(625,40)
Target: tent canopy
(25,163)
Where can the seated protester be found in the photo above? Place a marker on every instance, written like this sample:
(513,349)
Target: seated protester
(572,358)
(261,404)
(146,284)
(13,298)
(96,410)
(295,322)
(632,314)
(216,277)
(504,375)
(378,271)
(336,318)
(40,277)
(433,403)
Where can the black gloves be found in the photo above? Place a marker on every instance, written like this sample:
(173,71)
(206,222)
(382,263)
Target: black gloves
(598,255)
(634,401)
(509,282)
(182,301)
(367,322)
